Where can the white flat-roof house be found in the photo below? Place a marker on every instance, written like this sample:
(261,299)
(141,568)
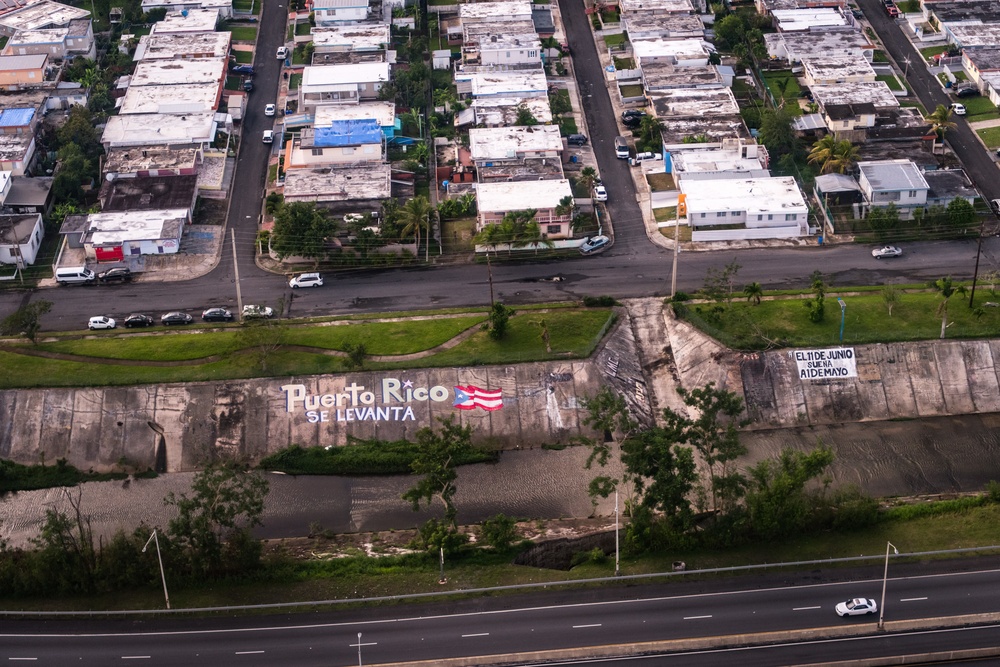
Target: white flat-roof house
(113,236)
(20,238)
(339,12)
(16,152)
(491,12)
(745,208)
(735,158)
(179,72)
(521,83)
(194,98)
(507,43)
(161,129)
(40,15)
(898,182)
(74,39)
(332,84)
(641,25)
(223,8)
(358,38)
(681,52)
(182,46)
(695,103)
(837,69)
(383,112)
(340,142)
(658,77)
(494,200)
(983,66)
(795,46)
(346,188)
(975,36)
(500,144)
(658,6)
(188,21)
(503,111)
(806,20)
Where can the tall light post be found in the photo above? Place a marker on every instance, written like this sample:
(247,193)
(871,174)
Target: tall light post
(885,577)
(617,571)
(906,61)
(359,650)
(843,313)
(163,577)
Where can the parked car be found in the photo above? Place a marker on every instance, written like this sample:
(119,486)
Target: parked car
(138,320)
(306,280)
(268,136)
(645,157)
(269,110)
(577,140)
(251,312)
(248,84)
(886,251)
(217,315)
(282,52)
(857,13)
(957,109)
(995,203)
(118,274)
(857,607)
(892,11)
(101,322)
(966,91)
(632,123)
(241,69)
(175,317)
(593,244)
(633,113)
(600,193)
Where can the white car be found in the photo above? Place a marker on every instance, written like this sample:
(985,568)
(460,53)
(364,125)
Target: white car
(593,244)
(306,280)
(958,109)
(251,311)
(101,322)
(268,136)
(995,203)
(282,52)
(600,193)
(886,251)
(269,110)
(645,157)
(857,607)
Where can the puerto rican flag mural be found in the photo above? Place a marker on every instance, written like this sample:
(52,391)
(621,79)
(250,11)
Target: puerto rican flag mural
(471,397)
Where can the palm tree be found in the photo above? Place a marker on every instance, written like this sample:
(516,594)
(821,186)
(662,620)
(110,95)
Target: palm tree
(489,236)
(946,289)
(650,129)
(416,216)
(822,152)
(532,234)
(587,178)
(753,292)
(845,156)
(941,120)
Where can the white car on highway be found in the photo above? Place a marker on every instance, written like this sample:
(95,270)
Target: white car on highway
(857,607)
(101,322)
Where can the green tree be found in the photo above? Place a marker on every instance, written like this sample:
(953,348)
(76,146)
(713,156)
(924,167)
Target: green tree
(301,229)
(608,414)
(67,555)
(437,453)
(777,133)
(816,305)
(714,432)
(940,120)
(753,292)
(587,178)
(883,219)
(415,217)
(890,297)
(651,131)
(80,129)
(961,213)
(721,283)
(946,289)
(663,474)
(524,116)
(776,501)
(833,156)
(72,171)
(498,532)
(224,502)
(26,320)
(261,338)
(499,321)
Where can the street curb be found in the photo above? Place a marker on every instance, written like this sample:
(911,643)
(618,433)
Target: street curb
(728,641)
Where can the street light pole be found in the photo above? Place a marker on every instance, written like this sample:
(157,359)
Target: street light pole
(359,650)
(843,312)
(617,571)
(163,577)
(885,578)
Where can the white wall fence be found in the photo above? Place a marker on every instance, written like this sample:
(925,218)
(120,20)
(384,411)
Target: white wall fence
(748,234)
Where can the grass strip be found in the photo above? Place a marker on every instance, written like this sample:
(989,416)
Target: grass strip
(359,457)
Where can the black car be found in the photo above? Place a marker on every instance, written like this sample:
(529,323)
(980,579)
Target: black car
(217,315)
(967,91)
(632,113)
(576,140)
(138,320)
(118,274)
(176,318)
(632,122)
(242,69)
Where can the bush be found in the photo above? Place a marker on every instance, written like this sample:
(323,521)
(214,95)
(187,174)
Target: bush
(595,555)
(498,532)
(599,301)
(680,296)
(993,491)
(358,457)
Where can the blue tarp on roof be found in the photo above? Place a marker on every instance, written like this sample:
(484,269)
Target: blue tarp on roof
(16,117)
(349,133)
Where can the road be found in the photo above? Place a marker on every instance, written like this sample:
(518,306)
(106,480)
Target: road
(491,626)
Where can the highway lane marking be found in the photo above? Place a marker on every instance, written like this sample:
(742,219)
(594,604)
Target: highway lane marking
(695,618)
(22,658)
(136,657)
(912,599)
(248,652)
(493,612)
(592,625)
(805,608)
(478,634)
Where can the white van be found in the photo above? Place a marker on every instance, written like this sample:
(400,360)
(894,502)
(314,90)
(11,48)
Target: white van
(70,275)
(621,148)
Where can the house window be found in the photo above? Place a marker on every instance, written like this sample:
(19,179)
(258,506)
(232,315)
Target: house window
(317,151)
(791,216)
(532,54)
(734,213)
(348,150)
(770,216)
(720,214)
(702,215)
(553,229)
(912,194)
(760,217)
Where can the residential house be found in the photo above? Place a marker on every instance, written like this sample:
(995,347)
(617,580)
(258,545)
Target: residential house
(659,77)
(695,103)
(142,162)
(20,238)
(767,7)
(382,112)
(947,185)
(341,190)
(514,144)
(809,20)
(734,158)
(503,111)
(357,38)
(744,208)
(339,12)
(658,6)
(194,98)
(850,109)
(945,13)
(153,129)
(223,8)
(41,15)
(178,73)
(492,12)
(710,131)
(342,142)
(151,193)
(486,82)
(65,42)
(495,200)
(837,69)
(507,43)
(680,52)
(974,36)
(19,72)
(29,195)
(117,235)
(325,84)
(643,25)
(186,22)
(180,46)
(983,66)
(17,139)
(796,46)
(898,182)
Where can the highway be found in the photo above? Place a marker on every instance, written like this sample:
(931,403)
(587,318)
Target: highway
(491,626)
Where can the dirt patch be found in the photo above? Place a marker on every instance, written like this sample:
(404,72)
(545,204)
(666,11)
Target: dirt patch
(210,212)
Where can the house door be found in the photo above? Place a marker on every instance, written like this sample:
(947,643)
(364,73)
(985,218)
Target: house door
(109,253)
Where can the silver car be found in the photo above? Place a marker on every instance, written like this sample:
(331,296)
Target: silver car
(857,607)
(886,251)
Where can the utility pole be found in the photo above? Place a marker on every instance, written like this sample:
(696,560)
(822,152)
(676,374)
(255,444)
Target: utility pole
(489,269)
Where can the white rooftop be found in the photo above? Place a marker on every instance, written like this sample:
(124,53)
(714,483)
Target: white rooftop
(179,46)
(359,37)
(158,129)
(826,68)
(503,110)
(690,162)
(501,143)
(972,35)
(509,82)
(383,112)
(696,102)
(40,36)
(752,195)
(819,43)
(521,195)
(874,92)
(15,146)
(346,184)
(682,49)
(504,9)
(190,99)
(118,226)
(320,76)
(174,72)
(42,14)
(797,20)
(658,6)
(190,20)
(893,175)
(645,22)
